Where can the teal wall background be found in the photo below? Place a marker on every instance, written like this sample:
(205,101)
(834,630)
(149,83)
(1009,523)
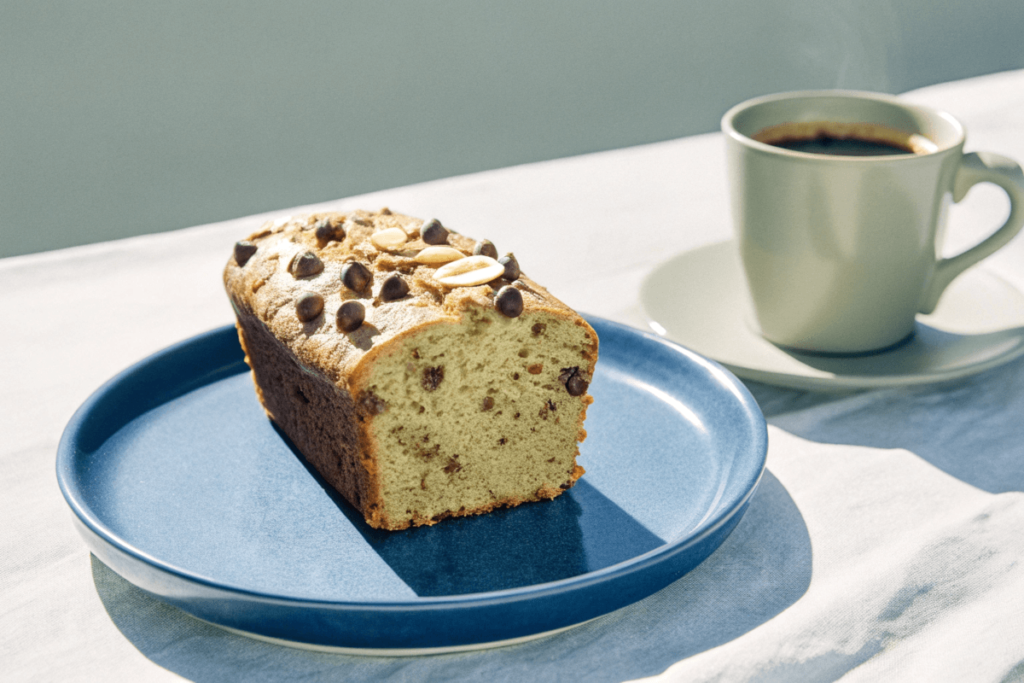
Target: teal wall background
(123,118)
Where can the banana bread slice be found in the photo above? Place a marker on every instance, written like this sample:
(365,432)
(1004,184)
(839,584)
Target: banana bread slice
(419,374)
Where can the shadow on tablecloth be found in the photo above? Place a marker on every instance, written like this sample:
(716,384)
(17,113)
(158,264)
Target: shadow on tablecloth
(760,570)
(970,428)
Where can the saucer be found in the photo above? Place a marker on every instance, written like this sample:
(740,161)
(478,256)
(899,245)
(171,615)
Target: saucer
(699,299)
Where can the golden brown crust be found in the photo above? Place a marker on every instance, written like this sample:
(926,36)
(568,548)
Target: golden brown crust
(318,343)
(543,493)
(264,287)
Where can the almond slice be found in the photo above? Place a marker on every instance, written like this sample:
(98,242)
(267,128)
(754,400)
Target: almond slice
(390,239)
(469,271)
(432,255)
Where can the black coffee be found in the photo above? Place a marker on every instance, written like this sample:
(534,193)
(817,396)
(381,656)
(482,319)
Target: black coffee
(843,147)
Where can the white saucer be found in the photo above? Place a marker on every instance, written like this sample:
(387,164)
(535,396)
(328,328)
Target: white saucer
(699,299)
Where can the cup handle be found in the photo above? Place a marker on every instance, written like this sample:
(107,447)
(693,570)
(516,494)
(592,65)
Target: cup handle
(980,167)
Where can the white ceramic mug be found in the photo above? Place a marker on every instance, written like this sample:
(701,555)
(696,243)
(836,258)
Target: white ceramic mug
(841,252)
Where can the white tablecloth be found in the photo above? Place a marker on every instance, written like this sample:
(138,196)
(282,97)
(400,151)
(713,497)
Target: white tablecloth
(886,541)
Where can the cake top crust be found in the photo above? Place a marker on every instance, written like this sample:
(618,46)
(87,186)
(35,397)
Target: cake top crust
(295,274)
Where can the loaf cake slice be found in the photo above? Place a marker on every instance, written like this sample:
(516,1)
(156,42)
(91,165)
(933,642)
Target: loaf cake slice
(419,374)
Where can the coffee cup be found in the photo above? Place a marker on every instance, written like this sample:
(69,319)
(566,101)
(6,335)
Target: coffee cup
(839,203)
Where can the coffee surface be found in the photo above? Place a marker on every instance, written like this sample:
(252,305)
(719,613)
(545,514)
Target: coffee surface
(844,147)
(833,138)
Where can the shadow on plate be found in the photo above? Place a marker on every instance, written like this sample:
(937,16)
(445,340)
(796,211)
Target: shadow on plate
(980,444)
(761,569)
(548,539)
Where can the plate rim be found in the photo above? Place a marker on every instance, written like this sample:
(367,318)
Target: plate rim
(67,453)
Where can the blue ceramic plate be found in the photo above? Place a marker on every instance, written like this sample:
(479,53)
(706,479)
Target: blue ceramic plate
(181,485)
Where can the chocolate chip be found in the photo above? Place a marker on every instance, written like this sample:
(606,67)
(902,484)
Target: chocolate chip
(577,386)
(244,251)
(452,467)
(432,378)
(395,287)
(573,381)
(432,232)
(538,329)
(385,211)
(511,266)
(327,231)
(509,302)
(306,264)
(351,316)
(309,306)
(486,248)
(356,276)
(372,404)
(488,403)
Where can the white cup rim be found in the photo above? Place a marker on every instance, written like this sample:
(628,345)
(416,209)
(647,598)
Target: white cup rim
(954,136)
